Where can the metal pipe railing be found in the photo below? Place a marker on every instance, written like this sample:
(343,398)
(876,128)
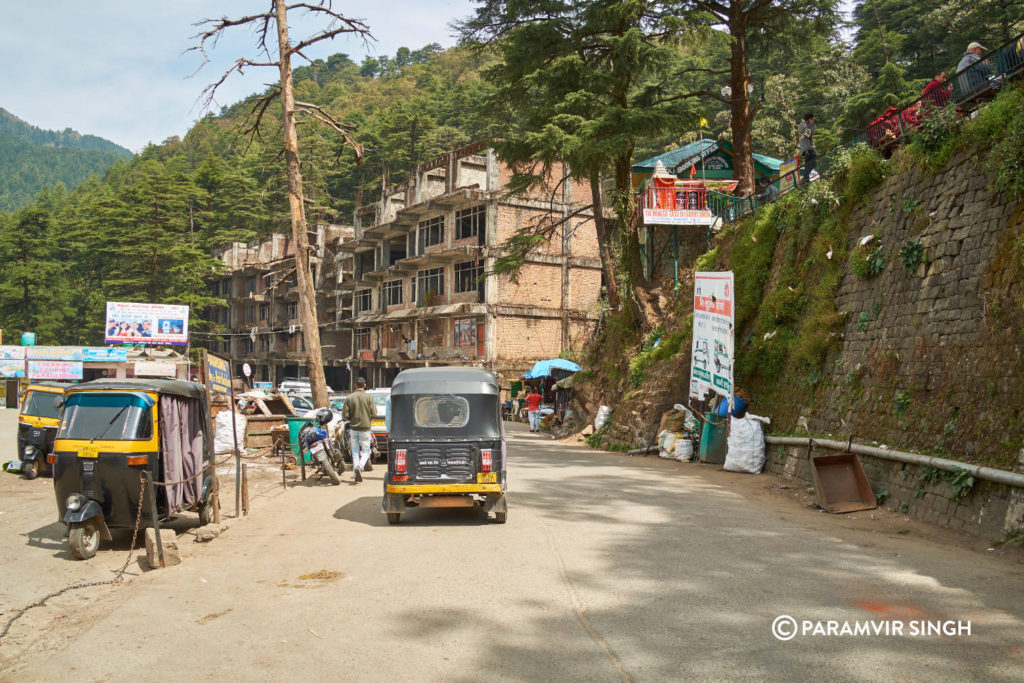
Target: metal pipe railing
(987,473)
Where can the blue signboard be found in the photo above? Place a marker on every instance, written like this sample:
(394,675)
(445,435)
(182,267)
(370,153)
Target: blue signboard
(104,354)
(218,374)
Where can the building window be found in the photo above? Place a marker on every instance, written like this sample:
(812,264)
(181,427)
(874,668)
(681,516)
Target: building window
(392,292)
(248,346)
(470,222)
(392,337)
(291,310)
(264,312)
(364,301)
(264,343)
(362,337)
(215,288)
(250,285)
(431,232)
(250,314)
(467,276)
(465,332)
(429,284)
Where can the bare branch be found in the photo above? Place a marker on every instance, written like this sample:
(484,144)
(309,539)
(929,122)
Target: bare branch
(341,128)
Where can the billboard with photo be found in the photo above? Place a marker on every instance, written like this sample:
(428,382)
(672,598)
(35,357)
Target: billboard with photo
(146,323)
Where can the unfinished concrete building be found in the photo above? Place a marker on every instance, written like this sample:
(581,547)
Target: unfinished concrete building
(259,322)
(414,288)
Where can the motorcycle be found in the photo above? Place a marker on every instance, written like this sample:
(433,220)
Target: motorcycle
(327,454)
(343,436)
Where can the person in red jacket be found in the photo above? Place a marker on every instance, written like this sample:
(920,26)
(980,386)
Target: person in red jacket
(533,400)
(935,93)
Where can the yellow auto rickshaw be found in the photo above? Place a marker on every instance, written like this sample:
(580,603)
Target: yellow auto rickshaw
(37,426)
(112,432)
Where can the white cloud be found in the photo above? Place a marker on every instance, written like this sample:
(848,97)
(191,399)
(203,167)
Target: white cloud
(119,68)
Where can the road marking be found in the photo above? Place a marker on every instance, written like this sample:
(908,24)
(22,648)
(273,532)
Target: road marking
(576,603)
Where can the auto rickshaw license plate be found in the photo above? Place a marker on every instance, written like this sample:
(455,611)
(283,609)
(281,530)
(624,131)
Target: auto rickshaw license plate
(487,477)
(89,452)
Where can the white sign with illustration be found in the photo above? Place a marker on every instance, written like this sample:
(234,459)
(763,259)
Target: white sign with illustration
(146,323)
(714,317)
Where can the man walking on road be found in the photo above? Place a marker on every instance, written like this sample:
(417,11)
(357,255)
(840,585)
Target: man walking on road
(359,410)
(533,400)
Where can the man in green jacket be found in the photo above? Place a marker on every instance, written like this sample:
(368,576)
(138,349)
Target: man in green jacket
(359,410)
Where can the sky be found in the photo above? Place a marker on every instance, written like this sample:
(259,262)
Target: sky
(120,69)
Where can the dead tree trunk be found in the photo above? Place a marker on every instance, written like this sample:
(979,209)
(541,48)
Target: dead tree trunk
(307,293)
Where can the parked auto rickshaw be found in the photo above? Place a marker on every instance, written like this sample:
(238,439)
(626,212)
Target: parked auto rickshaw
(111,431)
(37,426)
(447,442)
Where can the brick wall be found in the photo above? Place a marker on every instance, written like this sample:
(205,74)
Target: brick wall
(539,285)
(520,338)
(584,288)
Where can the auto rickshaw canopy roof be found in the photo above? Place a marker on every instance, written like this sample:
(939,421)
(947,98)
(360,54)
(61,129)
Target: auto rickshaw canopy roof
(446,380)
(174,387)
(53,387)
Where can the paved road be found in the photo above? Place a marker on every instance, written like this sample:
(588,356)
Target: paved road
(609,568)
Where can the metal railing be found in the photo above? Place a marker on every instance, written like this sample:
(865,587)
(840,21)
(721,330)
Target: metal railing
(966,89)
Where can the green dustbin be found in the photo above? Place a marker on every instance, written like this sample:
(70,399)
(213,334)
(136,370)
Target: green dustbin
(713,442)
(295,423)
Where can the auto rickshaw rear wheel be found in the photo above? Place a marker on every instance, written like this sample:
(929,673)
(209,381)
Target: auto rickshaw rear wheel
(30,470)
(500,517)
(84,539)
(206,512)
(394,517)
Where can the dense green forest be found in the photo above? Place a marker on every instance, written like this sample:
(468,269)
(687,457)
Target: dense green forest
(143,230)
(32,158)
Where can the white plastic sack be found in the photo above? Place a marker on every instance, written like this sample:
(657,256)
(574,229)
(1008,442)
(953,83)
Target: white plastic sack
(602,417)
(666,444)
(683,450)
(223,439)
(746,446)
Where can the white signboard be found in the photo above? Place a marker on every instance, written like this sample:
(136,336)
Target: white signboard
(54,369)
(12,353)
(712,354)
(146,323)
(678,217)
(155,369)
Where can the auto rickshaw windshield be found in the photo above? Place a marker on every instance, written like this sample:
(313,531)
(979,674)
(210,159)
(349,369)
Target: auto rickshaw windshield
(40,404)
(118,417)
(441,411)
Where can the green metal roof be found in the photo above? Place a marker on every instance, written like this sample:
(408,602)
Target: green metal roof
(671,158)
(763,165)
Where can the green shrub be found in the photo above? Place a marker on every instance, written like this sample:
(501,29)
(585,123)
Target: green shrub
(912,255)
(864,169)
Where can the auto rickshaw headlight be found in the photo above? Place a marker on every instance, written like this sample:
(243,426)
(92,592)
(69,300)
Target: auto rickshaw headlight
(29,450)
(73,502)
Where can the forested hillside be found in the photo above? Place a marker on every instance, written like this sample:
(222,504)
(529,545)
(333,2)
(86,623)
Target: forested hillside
(144,229)
(32,158)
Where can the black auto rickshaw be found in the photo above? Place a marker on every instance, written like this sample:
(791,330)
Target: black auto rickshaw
(111,431)
(447,442)
(37,426)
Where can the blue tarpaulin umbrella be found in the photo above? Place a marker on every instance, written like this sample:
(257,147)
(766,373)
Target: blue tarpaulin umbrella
(543,368)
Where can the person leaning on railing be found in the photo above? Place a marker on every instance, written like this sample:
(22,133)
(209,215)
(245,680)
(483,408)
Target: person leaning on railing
(975,71)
